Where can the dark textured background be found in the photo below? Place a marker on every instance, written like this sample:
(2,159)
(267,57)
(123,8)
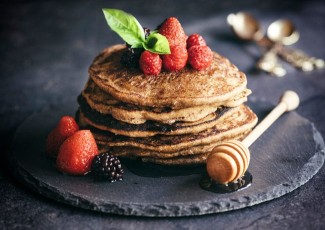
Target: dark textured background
(46,48)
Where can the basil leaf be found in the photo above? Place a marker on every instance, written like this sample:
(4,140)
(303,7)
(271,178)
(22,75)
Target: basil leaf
(137,45)
(125,25)
(157,43)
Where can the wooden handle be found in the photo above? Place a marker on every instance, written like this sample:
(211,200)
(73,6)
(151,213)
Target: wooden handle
(289,101)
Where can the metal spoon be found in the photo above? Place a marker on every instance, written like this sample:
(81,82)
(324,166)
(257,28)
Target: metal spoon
(279,33)
(283,32)
(246,27)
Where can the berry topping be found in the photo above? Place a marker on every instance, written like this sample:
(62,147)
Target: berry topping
(195,40)
(64,129)
(107,167)
(150,63)
(176,60)
(172,29)
(146,32)
(168,40)
(76,153)
(130,30)
(200,57)
(130,57)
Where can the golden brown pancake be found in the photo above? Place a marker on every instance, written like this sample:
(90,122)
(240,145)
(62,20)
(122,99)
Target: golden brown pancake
(150,128)
(239,122)
(104,103)
(138,152)
(175,118)
(220,82)
(187,156)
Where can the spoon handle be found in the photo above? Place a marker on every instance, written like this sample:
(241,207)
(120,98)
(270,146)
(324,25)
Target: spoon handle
(299,59)
(289,101)
(269,63)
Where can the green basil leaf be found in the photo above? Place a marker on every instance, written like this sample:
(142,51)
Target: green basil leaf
(157,43)
(125,25)
(137,45)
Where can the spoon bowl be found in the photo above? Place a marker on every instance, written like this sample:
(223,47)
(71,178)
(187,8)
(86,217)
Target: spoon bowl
(283,31)
(245,26)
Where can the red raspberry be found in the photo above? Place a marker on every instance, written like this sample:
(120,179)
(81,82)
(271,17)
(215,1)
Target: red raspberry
(200,57)
(150,63)
(195,40)
(176,60)
(172,29)
(64,129)
(76,153)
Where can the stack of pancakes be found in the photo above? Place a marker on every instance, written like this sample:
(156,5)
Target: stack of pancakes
(174,118)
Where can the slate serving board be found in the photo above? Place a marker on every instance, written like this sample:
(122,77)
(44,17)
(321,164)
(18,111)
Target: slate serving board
(283,158)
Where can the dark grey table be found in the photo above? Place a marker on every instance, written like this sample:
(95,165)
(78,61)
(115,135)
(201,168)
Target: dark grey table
(46,48)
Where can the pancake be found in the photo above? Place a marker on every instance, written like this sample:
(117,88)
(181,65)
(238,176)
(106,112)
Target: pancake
(130,152)
(184,160)
(242,121)
(104,103)
(175,118)
(220,82)
(150,128)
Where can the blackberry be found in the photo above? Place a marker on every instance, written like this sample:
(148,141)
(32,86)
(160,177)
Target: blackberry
(146,32)
(107,167)
(131,56)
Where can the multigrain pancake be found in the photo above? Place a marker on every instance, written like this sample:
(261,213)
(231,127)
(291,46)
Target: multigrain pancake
(104,103)
(180,150)
(183,157)
(220,82)
(151,128)
(125,151)
(238,123)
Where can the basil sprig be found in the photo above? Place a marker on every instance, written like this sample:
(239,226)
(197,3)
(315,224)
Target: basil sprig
(130,30)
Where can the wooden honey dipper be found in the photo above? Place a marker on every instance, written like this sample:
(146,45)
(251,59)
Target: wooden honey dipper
(229,161)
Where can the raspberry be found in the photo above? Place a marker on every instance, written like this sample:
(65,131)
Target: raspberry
(76,153)
(176,60)
(107,167)
(64,129)
(130,57)
(150,63)
(200,57)
(195,39)
(172,29)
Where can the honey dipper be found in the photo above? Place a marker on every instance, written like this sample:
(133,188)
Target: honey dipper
(229,161)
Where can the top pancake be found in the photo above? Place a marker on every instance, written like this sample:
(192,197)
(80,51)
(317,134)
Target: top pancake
(221,81)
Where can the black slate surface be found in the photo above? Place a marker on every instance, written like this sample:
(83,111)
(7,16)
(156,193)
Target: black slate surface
(46,48)
(278,165)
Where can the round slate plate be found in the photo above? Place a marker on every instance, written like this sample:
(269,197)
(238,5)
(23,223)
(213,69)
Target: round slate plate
(283,158)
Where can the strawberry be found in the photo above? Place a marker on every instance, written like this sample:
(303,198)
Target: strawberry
(195,39)
(172,29)
(64,129)
(76,153)
(176,60)
(200,57)
(150,63)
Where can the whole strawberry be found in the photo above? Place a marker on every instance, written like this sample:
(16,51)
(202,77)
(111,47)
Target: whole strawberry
(64,129)
(176,60)
(150,63)
(76,153)
(200,57)
(195,40)
(172,29)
